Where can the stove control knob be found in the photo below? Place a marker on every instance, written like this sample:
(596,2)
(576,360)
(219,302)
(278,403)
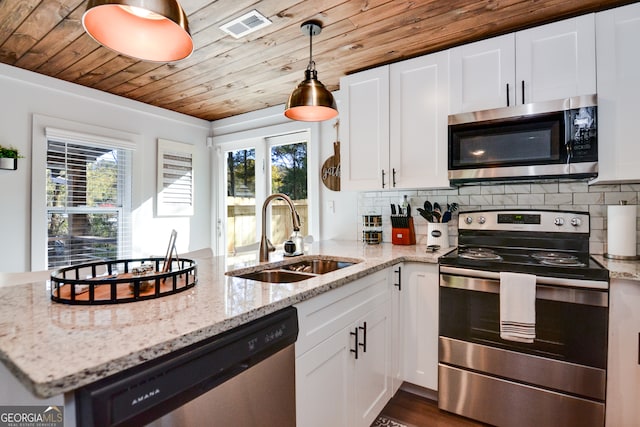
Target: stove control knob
(468,220)
(576,222)
(559,221)
(482,220)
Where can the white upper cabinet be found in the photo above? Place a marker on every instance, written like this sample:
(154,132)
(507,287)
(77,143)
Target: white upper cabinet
(482,75)
(618,35)
(557,60)
(418,122)
(364,130)
(394,126)
(548,62)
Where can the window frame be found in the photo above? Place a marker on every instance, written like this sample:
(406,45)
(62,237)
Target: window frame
(45,128)
(259,139)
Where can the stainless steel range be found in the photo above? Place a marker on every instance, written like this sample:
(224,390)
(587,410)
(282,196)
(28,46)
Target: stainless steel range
(549,370)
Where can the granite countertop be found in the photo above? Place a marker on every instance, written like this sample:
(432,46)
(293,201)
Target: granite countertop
(619,269)
(54,348)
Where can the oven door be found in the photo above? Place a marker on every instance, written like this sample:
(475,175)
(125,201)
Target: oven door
(558,380)
(571,323)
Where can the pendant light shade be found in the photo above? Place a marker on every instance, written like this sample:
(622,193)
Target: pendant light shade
(150,30)
(311,101)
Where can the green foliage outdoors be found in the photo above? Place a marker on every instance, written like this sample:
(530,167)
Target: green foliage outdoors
(241,173)
(100,189)
(289,170)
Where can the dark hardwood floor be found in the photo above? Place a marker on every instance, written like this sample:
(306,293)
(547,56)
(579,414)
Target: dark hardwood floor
(418,411)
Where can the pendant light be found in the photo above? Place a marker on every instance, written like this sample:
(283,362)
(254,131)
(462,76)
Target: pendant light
(150,30)
(311,101)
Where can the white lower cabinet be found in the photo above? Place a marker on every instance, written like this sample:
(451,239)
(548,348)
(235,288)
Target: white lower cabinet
(397,368)
(343,354)
(623,370)
(323,395)
(420,324)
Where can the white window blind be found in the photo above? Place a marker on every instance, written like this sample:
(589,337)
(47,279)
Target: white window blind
(88,198)
(175,178)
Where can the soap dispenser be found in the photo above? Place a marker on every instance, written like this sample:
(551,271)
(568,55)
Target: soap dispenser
(295,245)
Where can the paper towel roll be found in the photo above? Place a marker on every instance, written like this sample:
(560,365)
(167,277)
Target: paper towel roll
(621,235)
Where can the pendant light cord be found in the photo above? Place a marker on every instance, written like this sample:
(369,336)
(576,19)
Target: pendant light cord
(312,64)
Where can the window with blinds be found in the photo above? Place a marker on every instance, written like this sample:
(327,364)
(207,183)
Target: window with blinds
(88,207)
(175,179)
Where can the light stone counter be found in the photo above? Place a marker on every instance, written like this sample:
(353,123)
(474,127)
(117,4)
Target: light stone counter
(629,270)
(54,348)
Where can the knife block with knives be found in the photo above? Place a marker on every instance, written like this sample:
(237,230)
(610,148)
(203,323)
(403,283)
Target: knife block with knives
(403,231)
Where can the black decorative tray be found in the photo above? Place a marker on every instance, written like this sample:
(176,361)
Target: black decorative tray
(120,281)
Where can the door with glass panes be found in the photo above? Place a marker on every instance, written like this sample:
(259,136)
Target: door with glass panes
(275,165)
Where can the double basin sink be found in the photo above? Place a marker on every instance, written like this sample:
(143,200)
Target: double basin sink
(295,271)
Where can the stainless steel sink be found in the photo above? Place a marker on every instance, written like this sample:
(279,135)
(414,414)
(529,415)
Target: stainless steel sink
(295,271)
(274,276)
(318,266)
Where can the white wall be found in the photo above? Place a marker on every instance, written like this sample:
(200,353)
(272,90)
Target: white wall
(24,94)
(338,209)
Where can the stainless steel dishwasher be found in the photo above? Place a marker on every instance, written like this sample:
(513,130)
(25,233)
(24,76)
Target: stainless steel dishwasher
(244,377)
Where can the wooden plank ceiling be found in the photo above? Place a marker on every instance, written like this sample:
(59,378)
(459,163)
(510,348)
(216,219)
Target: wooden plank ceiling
(224,76)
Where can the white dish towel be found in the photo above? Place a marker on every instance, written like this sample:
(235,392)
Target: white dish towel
(517,307)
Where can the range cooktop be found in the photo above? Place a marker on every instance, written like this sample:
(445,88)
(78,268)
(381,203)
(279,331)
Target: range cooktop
(542,242)
(530,261)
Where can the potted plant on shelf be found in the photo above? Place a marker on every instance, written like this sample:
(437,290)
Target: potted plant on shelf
(9,158)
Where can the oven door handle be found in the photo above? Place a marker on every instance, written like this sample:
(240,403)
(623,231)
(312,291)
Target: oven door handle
(591,297)
(540,280)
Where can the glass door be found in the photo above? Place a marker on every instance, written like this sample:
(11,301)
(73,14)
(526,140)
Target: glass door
(241,219)
(288,175)
(252,171)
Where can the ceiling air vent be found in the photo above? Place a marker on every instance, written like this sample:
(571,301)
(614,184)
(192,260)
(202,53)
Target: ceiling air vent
(247,23)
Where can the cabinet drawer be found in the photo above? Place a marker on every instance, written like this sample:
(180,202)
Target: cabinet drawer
(324,315)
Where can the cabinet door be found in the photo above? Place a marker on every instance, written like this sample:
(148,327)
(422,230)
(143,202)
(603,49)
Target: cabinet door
(482,75)
(419,94)
(420,297)
(556,60)
(618,33)
(623,370)
(323,377)
(372,379)
(364,130)
(397,372)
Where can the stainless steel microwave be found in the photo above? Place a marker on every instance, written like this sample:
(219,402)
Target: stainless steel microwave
(553,139)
